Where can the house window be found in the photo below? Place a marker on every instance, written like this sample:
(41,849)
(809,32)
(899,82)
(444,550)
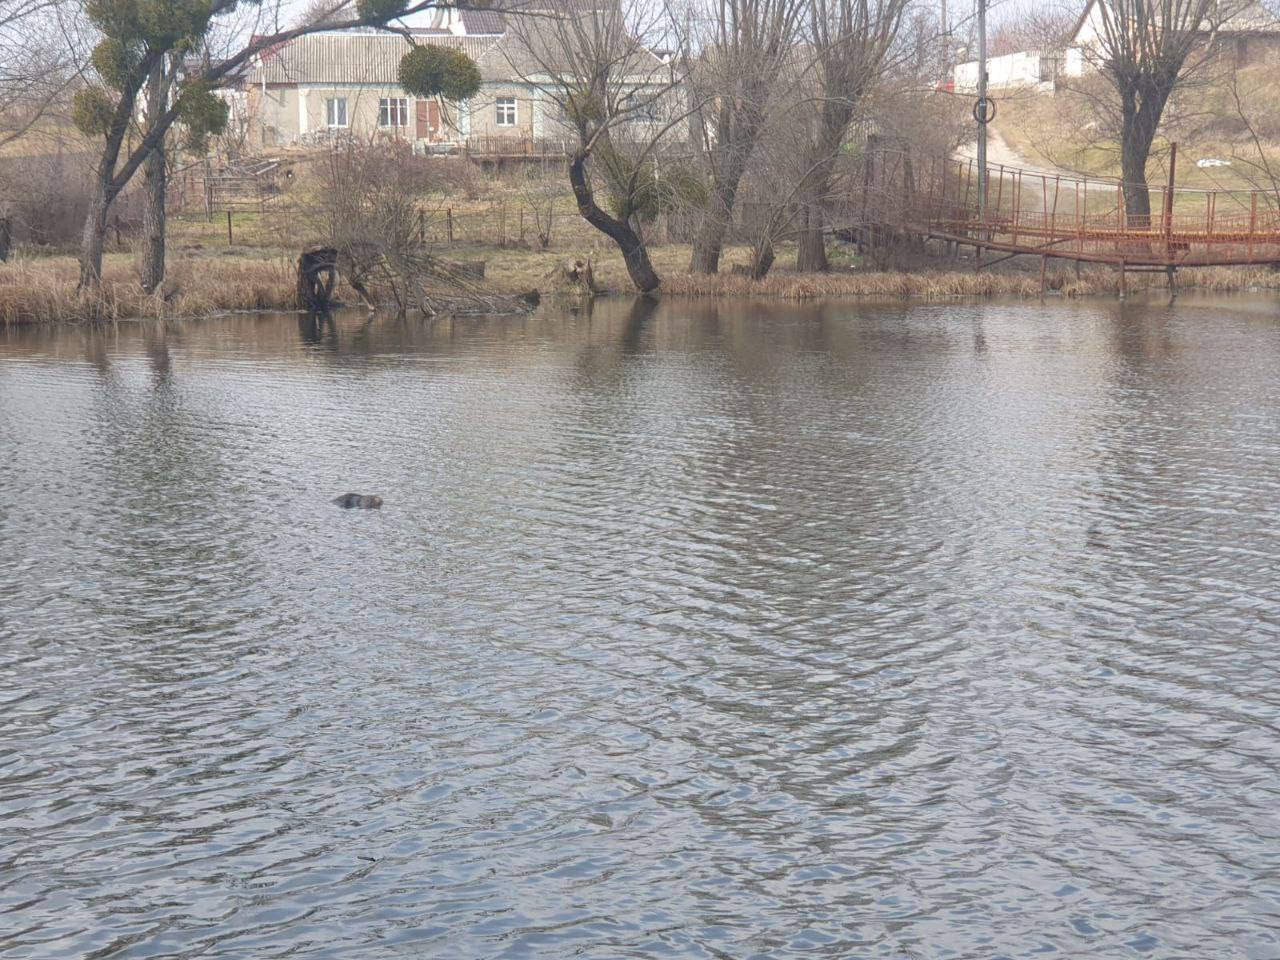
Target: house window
(506,111)
(393,112)
(335,112)
(639,107)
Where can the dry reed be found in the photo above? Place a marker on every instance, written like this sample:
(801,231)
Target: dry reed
(44,290)
(952,285)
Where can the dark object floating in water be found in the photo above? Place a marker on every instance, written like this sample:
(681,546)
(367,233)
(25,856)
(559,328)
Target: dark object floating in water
(359,501)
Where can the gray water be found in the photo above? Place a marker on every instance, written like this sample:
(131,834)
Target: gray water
(931,632)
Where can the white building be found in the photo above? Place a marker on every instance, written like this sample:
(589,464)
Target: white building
(1243,29)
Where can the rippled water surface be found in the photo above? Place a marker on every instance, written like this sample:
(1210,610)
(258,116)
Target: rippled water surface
(693,631)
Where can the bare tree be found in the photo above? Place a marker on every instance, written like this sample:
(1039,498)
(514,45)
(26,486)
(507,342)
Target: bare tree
(851,42)
(35,64)
(743,46)
(1033,26)
(1146,48)
(615,99)
(912,119)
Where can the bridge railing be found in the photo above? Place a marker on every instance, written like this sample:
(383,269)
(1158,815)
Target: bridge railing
(1065,215)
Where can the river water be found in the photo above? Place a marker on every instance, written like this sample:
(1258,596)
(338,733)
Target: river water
(691,631)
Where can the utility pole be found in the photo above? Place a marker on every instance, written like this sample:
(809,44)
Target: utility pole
(946,44)
(980,111)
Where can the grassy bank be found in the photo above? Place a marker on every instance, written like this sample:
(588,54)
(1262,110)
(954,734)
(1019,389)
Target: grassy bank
(1063,130)
(41,290)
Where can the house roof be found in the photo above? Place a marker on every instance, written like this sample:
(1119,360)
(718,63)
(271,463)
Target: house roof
(535,46)
(372,58)
(483,22)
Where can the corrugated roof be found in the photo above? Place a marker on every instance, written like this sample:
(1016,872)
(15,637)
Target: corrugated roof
(372,58)
(481,22)
(532,46)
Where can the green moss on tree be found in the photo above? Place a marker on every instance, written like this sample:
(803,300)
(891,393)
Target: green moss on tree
(202,113)
(439,72)
(91,111)
(380,9)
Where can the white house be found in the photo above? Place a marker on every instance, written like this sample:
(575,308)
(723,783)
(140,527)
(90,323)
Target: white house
(1243,29)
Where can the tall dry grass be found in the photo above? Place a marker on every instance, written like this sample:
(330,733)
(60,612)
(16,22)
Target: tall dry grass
(880,285)
(44,290)
(961,284)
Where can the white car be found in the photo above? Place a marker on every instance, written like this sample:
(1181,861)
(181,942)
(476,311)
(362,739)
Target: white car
(1212,162)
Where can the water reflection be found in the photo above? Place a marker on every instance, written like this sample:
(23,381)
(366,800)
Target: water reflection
(686,630)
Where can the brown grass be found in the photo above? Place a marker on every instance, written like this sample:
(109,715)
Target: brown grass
(44,290)
(926,285)
(877,285)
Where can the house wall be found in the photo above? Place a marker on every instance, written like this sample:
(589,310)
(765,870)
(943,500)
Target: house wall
(483,111)
(1239,50)
(287,114)
(273,115)
(362,109)
(1091,31)
(1028,69)
(284,115)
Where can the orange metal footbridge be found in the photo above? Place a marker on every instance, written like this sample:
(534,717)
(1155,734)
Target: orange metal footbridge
(1053,215)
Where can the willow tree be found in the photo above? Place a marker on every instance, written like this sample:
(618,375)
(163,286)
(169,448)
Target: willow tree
(154,46)
(1145,49)
(615,101)
(742,52)
(851,41)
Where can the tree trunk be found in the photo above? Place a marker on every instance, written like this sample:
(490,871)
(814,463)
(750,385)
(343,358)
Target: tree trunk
(811,255)
(94,235)
(154,182)
(154,222)
(1140,114)
(761,258)
(1134,151)
(105,184)
(709,243)
(634,252)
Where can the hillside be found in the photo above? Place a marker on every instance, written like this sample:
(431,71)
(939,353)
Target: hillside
(1068,130)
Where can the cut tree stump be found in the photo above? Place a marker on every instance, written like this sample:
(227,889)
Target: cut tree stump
(574,274)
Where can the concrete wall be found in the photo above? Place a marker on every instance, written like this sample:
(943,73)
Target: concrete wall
(287,114)
(290,114)
(483,109)
(1027,69)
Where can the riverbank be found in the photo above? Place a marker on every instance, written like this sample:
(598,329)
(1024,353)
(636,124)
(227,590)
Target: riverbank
(205,282)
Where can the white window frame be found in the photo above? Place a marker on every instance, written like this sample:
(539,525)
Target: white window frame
(640,106)
(506,112)
(335,107)
(393,112)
